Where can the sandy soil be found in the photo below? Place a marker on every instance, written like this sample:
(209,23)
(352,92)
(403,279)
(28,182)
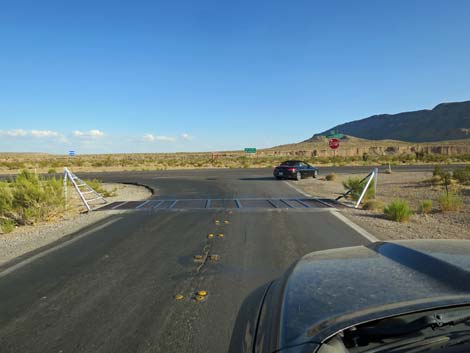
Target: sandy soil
(408,186)
(28,238)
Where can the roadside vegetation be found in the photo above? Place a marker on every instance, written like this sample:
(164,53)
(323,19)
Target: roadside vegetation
(30,198)
(443,193)
(428,219)
(373,205)
(462,175)
(425,206)
(450,202)
(96,185)
(356,186)
(331,177)
(13,163)
(449,183)
(398,210)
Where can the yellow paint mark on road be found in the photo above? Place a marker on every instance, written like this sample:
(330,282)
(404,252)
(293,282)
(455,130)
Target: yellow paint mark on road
(202,293)
(199,298)
(226,222)
(179,297)
(220,235)
(210,235)
(214,257)
(197,258)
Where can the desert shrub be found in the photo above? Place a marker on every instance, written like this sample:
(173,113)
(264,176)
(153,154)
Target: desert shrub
(447,179)
(52,171)
(7,225)
(373,205)
(27,196)
(97,185)
(462,175)
(398,210)
(438,171)
(331,177)
(54,196)
(6,198)
(435,180)
(34,198)
(425,206)
(14,165)
(356,186)
(450,202)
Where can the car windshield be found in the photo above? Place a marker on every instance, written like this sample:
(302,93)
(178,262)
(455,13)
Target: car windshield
(433,331)
(290,163)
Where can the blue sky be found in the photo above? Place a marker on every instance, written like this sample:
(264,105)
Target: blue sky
(158,76)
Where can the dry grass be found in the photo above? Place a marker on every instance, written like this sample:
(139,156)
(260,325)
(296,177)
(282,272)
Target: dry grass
(11,163)
(31,198)
(408,186)
(355,142)
(398,210)
(330,177)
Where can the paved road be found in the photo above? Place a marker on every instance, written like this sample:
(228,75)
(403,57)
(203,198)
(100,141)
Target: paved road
(247,174)
(229,183)
(111,287)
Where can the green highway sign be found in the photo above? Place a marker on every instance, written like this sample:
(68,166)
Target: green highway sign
(335,136)
(250,150)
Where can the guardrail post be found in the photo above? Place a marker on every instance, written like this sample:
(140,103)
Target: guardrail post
(376,171)
(372,176)
(65,189)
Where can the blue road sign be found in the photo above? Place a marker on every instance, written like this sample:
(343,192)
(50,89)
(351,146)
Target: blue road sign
(71,153)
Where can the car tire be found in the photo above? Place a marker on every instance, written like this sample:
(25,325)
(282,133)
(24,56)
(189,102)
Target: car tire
(315,173)
(298,176)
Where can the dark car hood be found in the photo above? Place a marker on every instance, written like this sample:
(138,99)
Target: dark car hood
(328,291)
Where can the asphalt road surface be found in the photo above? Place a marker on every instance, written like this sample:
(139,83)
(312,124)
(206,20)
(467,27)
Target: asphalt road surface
(111,287)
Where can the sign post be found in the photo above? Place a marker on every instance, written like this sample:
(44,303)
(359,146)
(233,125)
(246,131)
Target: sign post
(334,144)
(335,134)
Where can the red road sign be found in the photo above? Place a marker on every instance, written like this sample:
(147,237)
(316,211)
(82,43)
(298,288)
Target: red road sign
(333,143)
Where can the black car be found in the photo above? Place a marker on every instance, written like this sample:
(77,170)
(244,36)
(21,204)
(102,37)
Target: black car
(295,170)
(406,296)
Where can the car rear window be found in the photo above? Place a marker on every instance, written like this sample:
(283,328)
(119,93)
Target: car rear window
(290,163)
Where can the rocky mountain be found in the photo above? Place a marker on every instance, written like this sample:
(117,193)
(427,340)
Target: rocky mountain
(447,121)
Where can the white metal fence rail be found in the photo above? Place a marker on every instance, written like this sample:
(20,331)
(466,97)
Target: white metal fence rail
(373,175)
(84,191)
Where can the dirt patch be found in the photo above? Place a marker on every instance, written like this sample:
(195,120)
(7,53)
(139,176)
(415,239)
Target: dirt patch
(408,186)
(28,238)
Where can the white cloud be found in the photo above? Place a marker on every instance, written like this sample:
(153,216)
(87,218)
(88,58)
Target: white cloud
(34,133)
(186,136)
(44,133)
(14,133)
(91,133)
(165,138)
(148,138)
(152,138)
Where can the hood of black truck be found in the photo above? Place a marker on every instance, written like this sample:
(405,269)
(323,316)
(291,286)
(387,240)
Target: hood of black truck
(331,290)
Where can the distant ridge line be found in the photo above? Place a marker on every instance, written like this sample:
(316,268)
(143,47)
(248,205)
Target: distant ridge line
(446,121)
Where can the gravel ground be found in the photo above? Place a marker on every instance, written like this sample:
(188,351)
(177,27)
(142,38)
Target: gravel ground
(408,186)
(28,238)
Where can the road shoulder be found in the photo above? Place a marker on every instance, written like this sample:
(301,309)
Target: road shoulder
(27,239)
(413,187)
(347,220)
